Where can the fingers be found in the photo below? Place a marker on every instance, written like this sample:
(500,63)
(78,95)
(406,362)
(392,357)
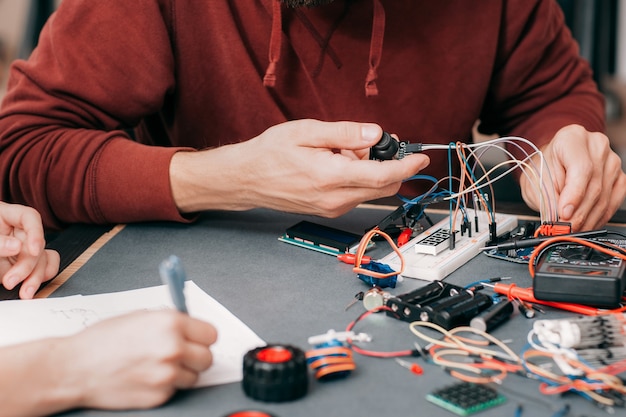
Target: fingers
(377,174)
(196,359)
(593,188)
(27,219)
(45,270)
(332,135)
(9,246)
(199,331)
(22,244)
(196,356)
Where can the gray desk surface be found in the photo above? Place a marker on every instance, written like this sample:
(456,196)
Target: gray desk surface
(286,294)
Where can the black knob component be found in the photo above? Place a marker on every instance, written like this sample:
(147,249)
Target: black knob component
(275,373)
(385,149)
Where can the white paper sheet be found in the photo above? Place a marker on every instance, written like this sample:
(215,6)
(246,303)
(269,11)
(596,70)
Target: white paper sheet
(25,320)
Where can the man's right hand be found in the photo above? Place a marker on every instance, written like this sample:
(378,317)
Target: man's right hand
(303,166)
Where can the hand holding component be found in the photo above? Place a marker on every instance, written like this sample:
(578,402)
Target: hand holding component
(587,175)
(301,166)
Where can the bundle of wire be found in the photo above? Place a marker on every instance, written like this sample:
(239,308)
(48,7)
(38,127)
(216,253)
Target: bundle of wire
(466,354)
(589,354)
(468,156)
(469,183)
(375,273)
(459,344)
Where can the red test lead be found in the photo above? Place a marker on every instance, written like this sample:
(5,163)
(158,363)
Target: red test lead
(405,236)
(512,291)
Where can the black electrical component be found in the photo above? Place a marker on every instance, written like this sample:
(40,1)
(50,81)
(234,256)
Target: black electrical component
(275,373)
(494,316)
(444,304)
(389,148)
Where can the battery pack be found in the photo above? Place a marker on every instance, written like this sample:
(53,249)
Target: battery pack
(444,304)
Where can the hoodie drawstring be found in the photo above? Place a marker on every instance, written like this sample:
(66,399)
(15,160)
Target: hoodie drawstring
(376,49)
(269,80)
(375,54)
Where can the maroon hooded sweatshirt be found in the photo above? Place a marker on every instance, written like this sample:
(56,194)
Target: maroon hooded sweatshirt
(115,88)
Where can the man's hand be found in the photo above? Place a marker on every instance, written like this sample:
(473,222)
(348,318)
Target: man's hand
(303,166)
(22,254)
(588,178)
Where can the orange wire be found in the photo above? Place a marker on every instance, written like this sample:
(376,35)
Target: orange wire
(579,241)
(361,251)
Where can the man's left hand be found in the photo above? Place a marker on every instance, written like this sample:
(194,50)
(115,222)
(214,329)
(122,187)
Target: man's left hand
(588,179)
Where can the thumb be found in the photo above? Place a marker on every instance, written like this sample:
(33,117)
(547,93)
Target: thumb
(341,135)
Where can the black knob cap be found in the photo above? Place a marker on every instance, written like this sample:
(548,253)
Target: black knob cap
(385,149)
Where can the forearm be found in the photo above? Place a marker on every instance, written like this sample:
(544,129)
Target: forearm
(216,179)
(35,379)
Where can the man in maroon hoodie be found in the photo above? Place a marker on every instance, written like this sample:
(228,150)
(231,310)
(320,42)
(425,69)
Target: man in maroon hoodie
(156,109)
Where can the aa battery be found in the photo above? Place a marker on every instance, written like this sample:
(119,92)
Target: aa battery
(493,316)
(460,313)
(425,295)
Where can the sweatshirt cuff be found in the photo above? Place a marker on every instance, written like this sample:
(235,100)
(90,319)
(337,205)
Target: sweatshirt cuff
(131,183)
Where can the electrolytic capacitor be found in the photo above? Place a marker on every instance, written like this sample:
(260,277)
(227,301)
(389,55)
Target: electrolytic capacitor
(493,316)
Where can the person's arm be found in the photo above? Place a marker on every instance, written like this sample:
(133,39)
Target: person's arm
(162,351)
(23,258)
(542,86)
(295,166)
(64,147)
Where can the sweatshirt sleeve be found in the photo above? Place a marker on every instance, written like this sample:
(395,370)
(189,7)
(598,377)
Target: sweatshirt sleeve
(540,83)
(99,68)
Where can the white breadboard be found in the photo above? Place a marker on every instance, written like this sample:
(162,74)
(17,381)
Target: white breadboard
(431,267)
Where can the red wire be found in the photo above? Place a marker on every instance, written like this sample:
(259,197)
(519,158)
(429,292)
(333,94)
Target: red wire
(372,353)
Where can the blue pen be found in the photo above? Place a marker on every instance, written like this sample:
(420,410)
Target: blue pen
(173,275)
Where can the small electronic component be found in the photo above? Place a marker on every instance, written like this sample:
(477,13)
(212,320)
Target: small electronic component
(321,238)
(331,357)
(425,266)
(465,398)
(389,148)
(433,243)
(520,256)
